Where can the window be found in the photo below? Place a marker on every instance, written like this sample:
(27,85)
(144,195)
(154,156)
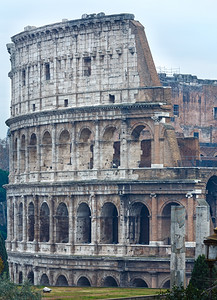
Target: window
(23,77)
(172,119)
(47,71)
(87,66)
(215,112)
(176,110)
(66,102)
(196,135)
(33,107)
(111,98)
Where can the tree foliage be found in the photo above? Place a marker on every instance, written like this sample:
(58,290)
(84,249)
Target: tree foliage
(11,291)
(4,257)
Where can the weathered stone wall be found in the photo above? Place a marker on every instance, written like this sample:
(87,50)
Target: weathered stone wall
(93,160)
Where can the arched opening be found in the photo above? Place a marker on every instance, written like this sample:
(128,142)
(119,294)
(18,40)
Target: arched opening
(20,222)
(31,222)
(23,154)
(83,224)
(30,277)
(15,155)
(44,223)
(62,224)
(46,151)
(33,152)
(85,148)
(138,282)
(140,147)
(109,224)
(109,281)
(62,281)
(166,285)
(111,148)
(83,281)
(139,224)
(44,280)
(20,279)
(166,223)
(211,196)
(64,150)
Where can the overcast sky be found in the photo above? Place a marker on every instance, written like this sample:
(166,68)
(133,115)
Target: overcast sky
(182,34)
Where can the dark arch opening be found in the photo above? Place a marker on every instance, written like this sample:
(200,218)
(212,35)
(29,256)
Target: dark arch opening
(166,285)
(23,154)
(109,281)
(44,223)
(211,196)
(44,280)
(109,224)
(83,224)
(139,224)
(166,223)
(62,281)
(83,281)
(62,224)
(33,152)
(138,282)
(31,222)
(20,280)
(30,277)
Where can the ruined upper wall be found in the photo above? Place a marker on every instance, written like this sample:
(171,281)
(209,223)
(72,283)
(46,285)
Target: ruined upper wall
(91,61)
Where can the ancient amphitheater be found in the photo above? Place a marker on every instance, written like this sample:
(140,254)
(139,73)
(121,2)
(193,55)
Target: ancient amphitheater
(95,165)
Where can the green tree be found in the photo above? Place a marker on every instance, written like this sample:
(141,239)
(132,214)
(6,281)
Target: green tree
(4,257)
(11,291)
(3,203)
(200,277)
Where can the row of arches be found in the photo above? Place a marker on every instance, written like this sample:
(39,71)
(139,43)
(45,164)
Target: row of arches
(26,152)
(109,222)
(84,281)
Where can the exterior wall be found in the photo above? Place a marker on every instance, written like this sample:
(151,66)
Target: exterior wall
(94,161)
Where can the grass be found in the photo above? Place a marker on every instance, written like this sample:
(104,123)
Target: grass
(87,293)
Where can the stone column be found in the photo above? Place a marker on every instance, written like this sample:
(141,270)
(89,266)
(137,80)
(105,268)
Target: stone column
(18,154)
(202,228)
(54,152)
(122,232)
(25,218)
(94,235)
(190,220)
(71,229)
(73,147)
(96,152)
(51,201)
(14,242)
(177,261)
(123,146)
(37,220)
(154,280)
(38,168)
(154,223)
(155,159)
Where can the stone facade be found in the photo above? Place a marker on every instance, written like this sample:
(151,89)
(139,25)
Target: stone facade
(95,165)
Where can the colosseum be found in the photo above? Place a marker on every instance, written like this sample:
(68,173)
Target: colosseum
(95,164)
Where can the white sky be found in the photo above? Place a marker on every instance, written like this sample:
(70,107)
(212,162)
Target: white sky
(181,33)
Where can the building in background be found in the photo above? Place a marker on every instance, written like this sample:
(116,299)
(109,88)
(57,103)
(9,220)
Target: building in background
(95,164)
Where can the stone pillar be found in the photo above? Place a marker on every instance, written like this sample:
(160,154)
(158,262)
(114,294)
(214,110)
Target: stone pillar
(37,220)
(122,233)
(14,242)
(54,150)
(73,147)
(71,228)
(154,284)
(154,223)
(190,220)
(18,154)
(38,168)
(51,202)
(123,146)
(202,228)
(96,152)
(94,226)
(177,261)
(25,218)
(155,159)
